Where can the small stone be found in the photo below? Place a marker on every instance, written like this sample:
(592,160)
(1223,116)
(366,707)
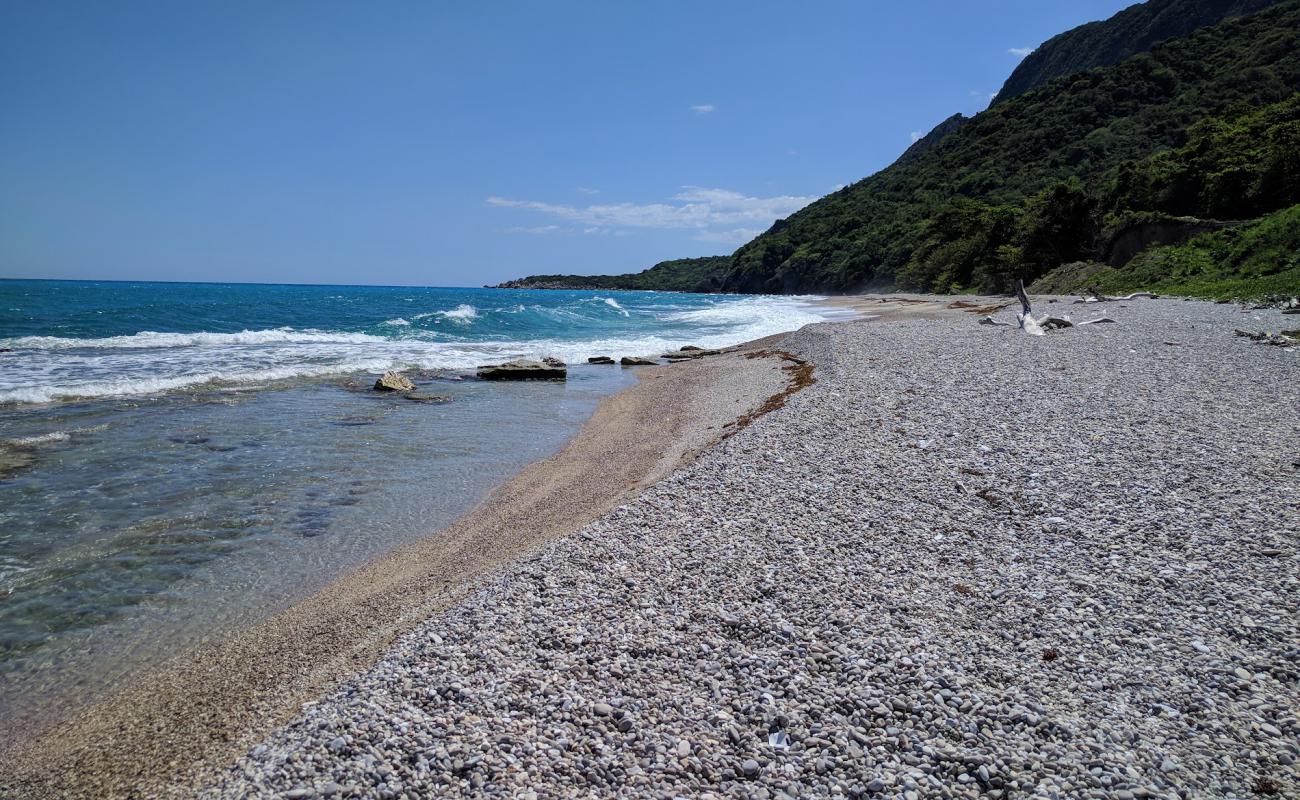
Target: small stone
(625,724)
(749,767)
(393,382)
(683,748)
(602,709)
(876,785)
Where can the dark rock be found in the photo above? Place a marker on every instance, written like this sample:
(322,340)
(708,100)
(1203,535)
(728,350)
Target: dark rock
(393,382)
(522,370)
(425,397)
(600,360)
(552,361)
(637,361)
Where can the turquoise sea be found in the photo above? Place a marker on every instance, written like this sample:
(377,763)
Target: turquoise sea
(179,459)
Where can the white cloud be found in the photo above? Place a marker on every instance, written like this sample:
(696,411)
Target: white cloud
(587,190)
(734,237)
(693,208)
(703,109)
(917,136)
(534,229)
(1021,51)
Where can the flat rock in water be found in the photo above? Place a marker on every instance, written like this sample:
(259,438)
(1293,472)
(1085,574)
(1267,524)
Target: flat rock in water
(637,361)
(552,361)
(425,397)
(393,382)
(522,370)
(600,360)
(684,354)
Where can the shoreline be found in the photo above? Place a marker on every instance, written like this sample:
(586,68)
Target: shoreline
(966,562)
(209,705)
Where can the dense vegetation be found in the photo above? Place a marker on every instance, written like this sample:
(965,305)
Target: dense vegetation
(1036,181)
(1134,30)
(679,275)
(1256,259)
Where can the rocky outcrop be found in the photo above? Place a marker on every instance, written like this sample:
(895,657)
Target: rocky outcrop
(637,361)
(552,361)
(1135,237)
(600,360)
(688,353)
(393,382)
(522,370)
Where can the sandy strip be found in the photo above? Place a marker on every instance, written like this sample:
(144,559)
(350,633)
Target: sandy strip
(199,713)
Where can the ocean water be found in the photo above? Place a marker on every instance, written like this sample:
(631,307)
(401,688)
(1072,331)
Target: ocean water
(178,460)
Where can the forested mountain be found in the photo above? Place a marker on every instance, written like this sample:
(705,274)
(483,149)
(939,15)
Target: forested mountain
(1197,138)
(1022,187)
(678,275)
(1134,30)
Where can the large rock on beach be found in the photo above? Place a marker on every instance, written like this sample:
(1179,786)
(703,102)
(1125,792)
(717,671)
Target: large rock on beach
(523,370)
(600,360)
(637,361)
(393,382)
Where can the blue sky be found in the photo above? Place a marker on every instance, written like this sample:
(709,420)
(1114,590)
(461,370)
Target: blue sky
(459,144)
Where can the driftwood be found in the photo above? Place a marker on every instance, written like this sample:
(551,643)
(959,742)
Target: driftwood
(1039,326)
(990,321)
(1028,324)
(1091,295)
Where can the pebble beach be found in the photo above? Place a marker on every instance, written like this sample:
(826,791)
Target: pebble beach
(965,562)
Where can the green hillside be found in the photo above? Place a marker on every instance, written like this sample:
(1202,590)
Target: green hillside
(1134,30)
(1023,187)
(1258,259)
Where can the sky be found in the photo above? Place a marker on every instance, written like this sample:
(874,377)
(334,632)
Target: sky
(461,144)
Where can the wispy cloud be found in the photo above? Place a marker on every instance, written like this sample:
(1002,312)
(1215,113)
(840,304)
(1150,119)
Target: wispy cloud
(1021,51)
(734,237)
(705,108)
(534,229)
(587,190)
(721,215)
(917,136)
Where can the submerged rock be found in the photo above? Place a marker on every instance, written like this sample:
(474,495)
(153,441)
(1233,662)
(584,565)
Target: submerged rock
(637,361)
(522,370)
(600,360)
(393,382)
(553,362)
(425,397)
(12,460)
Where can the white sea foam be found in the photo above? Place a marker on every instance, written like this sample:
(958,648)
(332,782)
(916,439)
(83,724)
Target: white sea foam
(612,303)
(43,438)
(461,313)
(156,339)
(52,368)
(399,322)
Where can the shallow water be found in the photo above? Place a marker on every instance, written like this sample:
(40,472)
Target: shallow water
(180,460)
